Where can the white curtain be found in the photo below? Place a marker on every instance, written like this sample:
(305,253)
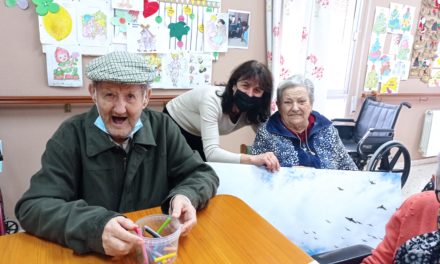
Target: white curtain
(311,37)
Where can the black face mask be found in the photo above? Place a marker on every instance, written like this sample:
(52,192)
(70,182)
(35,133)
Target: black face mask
(244,102)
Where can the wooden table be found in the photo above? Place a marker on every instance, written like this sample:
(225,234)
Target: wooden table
(228,231)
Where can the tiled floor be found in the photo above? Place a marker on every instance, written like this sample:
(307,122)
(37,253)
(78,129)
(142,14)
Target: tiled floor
(419,175)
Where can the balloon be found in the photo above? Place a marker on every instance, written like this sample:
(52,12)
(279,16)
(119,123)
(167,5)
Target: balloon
(58,25)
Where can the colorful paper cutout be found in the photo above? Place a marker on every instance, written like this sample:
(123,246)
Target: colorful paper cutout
(45,6)
(58,25)
(121,19)
(22,4)
(178,30)
(150,8)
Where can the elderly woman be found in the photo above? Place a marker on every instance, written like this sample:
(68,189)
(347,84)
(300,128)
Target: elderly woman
(299,136)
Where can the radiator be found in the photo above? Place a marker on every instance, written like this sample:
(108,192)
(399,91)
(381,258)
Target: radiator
(430,139)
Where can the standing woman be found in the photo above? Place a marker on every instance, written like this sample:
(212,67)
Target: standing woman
(203,114)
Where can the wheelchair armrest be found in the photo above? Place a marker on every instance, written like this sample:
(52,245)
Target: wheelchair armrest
(373,138)
(347,120)
(372,131)
(348,255)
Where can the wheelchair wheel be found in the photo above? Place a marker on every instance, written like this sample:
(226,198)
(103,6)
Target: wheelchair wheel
(385,159)
(11,227)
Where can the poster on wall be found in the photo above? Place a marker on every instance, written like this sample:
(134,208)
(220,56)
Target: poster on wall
(64,66)
(239,27)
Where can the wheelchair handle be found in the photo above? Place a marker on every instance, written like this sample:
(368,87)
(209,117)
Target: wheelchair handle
(406,104)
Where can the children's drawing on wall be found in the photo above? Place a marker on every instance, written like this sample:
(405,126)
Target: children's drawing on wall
(435,78)
(401,69)
(175,70)
(137,5)
(147,36)
(180,23)
(372,77)
(141,38)
(380,20)
(154,61)
(376,47)
(239,27)
(385,65)
(49,26)
(216,32)
(121,21)
(407,18)
(395,43)
(405,47)
(200,69)
(94,25)
(64,66)
(394,21)
(178,30)
(390,84)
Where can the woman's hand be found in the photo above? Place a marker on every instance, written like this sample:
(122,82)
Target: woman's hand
(268,159)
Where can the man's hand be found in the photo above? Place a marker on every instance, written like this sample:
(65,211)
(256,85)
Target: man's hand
(117,240)
(183,210)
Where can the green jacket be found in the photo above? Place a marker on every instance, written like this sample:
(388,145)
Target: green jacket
(86,179)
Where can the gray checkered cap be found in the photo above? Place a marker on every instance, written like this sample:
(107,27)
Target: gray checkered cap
(120,67)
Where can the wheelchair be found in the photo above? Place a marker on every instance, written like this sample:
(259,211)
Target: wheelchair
(370,139)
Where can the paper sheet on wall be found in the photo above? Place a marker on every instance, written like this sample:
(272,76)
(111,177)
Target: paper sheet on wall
(179,70)
(200,69)
(147,36)
(94,25)
(128,4)
(64,66)
(216,28)
(59,28)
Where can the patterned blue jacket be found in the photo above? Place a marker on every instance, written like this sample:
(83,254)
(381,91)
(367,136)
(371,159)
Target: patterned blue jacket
(323,149)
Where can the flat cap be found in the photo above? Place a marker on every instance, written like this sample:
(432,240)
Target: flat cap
(121,67)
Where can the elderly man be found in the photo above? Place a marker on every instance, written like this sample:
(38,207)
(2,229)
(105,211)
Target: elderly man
(113,159)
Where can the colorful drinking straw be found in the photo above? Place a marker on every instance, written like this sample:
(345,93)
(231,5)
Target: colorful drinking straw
(165,224)
(150,231)
(164,257)
(144,250)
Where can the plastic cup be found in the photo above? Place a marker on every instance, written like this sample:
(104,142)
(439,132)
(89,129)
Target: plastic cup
(162,249)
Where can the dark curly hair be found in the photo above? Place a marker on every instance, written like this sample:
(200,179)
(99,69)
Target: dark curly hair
(250,70)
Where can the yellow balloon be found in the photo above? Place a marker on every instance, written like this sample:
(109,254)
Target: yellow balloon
(58,25)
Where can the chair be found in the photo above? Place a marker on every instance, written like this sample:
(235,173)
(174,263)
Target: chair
(369,139)
(6,226)
(348,255)
(245,149)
